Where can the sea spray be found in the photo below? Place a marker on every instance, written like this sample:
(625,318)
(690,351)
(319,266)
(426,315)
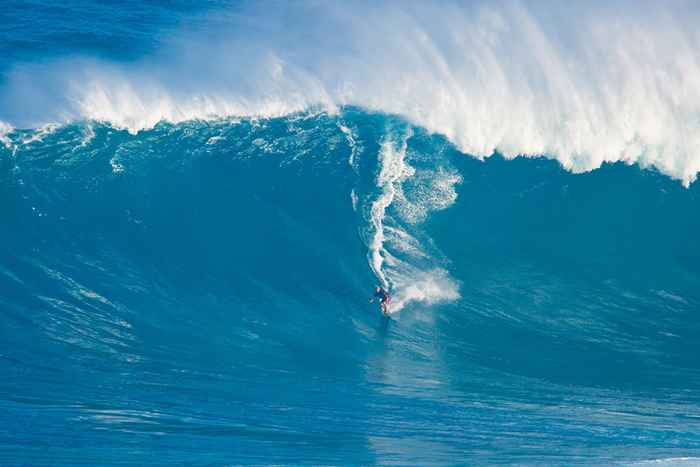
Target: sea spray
(583,83)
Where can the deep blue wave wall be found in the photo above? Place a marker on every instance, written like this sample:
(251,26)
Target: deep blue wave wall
(198,293)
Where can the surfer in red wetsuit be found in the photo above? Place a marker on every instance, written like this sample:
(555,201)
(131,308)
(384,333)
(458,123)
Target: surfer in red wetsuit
(383,297)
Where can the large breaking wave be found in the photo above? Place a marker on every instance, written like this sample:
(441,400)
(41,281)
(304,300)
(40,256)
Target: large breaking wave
(207,282)
(188,241)
(584,83)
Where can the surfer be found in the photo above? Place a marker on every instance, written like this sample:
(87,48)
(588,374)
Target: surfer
(383,297)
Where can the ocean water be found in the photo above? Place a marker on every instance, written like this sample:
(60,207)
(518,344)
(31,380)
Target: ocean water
(198,198)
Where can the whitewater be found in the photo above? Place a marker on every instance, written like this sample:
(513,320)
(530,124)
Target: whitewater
(583,83)
(198,200)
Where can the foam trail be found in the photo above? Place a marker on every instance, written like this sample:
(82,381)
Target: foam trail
(392,171)
(399,260)
(350,138)
(583,82)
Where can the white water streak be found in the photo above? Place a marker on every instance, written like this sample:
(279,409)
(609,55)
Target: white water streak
(398,259)
(393,170)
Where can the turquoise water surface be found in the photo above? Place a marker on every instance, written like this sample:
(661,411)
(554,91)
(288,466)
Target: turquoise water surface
(196,205)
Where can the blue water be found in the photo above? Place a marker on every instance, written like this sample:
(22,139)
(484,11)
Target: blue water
(195,291)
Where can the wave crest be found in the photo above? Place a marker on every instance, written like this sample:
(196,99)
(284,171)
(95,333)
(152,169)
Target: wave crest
(587,83)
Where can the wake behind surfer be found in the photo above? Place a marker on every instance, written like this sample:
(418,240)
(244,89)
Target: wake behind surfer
(383,297)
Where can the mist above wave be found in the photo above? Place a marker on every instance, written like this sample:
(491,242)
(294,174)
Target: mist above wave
(585,83)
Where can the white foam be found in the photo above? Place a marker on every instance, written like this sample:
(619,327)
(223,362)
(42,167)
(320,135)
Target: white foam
(393,170)
(428,287)
(353,199)
(584,82)
(670,462)
(399,260)
(88,135)
(431,190)
(5,130)
(40,133)
(213,140)
(354,149)
(117,168)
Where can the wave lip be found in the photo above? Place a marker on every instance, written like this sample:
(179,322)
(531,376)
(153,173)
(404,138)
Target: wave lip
(584,84)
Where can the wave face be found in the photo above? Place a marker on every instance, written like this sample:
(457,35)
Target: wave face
(198,293)
(197,202)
